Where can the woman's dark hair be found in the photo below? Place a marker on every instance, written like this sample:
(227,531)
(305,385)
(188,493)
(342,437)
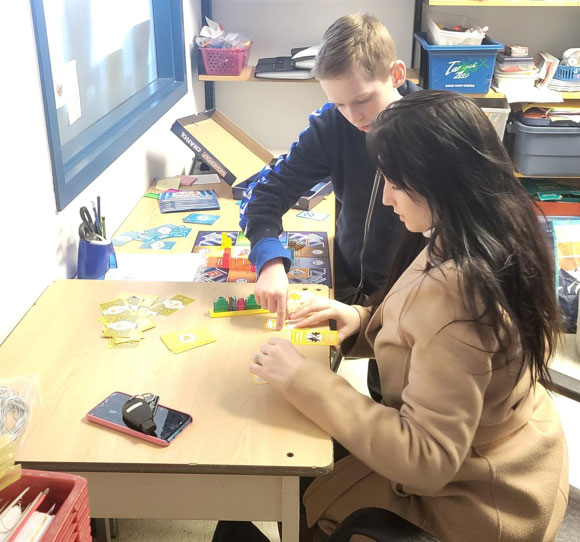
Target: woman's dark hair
(441,146)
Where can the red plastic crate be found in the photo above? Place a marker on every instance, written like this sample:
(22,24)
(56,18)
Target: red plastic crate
(224,61)
(67,491)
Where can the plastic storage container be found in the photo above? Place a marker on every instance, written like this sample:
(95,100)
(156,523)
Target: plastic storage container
(497,111)
(68,492)
(544,150)
(461,69)
(567,73)
(224,61)
(437,36)
(514,64)
(507,81)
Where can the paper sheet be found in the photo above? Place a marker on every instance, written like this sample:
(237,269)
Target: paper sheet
(156,267)
(535,94)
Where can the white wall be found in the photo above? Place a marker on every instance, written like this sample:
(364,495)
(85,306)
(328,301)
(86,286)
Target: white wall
(40,245)
(275,113)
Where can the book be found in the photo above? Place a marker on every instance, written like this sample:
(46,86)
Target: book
(195,200)
(305,58)
(547,65)
(280,67)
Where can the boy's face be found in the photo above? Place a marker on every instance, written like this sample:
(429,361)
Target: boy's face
(359,99)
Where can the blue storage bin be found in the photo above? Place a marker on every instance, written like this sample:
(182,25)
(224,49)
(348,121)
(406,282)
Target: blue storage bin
(567,73)
(459,68)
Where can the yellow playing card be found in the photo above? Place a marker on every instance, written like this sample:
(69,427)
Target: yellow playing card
(112,309)
(127,344)
(122,326)
(270,324)
(144,324)
(180,341)
(295,299)
(322,337)
(139,300)
(258,379)
(171,305)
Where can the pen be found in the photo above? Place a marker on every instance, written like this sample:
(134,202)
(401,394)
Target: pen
(99,213)
(97,222)
(103,230)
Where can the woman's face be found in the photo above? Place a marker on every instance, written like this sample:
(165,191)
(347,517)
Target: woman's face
(413,211)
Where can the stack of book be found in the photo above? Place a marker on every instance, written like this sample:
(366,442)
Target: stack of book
(296,66)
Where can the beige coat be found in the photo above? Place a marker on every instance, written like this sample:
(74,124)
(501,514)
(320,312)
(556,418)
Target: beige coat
(466,452)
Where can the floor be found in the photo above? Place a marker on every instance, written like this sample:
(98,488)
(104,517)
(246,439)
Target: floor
(138,530)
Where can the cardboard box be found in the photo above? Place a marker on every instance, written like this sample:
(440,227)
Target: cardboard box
(233,155)
(222,145)
(306,201)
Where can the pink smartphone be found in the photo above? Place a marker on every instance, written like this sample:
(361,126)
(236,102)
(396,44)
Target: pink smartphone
(169,422)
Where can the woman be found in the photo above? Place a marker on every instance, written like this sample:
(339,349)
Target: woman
(467,443)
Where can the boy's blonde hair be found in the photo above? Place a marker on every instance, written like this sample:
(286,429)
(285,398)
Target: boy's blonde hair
(359,40)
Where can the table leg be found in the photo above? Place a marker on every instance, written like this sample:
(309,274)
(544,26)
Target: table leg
(101,529)
(290,508)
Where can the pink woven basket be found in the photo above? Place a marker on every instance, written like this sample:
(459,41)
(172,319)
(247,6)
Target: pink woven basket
(224,61)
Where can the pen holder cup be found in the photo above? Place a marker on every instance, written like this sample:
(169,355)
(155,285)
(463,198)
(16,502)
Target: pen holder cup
(95,259)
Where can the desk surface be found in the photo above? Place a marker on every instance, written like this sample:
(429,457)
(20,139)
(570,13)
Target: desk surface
(146,214)
(238,426)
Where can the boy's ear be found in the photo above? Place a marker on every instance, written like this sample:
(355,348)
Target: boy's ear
(399,73)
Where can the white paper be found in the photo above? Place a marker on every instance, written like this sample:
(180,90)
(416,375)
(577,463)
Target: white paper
(535,94)
(156,267)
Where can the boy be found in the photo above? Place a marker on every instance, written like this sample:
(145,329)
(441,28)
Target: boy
(358,70)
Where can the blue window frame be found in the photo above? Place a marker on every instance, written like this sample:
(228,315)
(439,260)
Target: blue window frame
(78,157)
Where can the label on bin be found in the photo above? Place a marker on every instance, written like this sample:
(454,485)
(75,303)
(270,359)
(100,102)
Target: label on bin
(462,69)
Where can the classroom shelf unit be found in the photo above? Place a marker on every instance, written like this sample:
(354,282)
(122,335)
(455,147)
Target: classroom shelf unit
(506,3)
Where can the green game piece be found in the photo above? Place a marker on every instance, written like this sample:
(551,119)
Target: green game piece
(221,305)
(153,195)
(251,303)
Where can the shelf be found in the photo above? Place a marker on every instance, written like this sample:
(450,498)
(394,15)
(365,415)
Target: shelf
(495,94)
(522,176)
(247,75)
(506,3)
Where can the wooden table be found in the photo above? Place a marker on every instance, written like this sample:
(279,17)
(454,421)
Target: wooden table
(240,459)
(146,215)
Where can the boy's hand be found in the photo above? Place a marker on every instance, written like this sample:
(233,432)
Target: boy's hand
(271,290)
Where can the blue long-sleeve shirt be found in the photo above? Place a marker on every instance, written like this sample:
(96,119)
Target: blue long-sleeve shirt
(329,147)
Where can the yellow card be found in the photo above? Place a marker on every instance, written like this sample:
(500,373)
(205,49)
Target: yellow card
(127,344)
(112,309)
(122,326)
(322,337)
(295,299)
(270,324)
(136,336)
(145,324)
(168,183)
(139,300)
(171,305)
(258,379)
(180,341)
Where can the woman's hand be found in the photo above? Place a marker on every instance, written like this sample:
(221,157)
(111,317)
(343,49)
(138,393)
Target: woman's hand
(319,310)
(276,362)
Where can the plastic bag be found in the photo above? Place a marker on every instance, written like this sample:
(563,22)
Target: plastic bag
(213,35)
(19,398)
